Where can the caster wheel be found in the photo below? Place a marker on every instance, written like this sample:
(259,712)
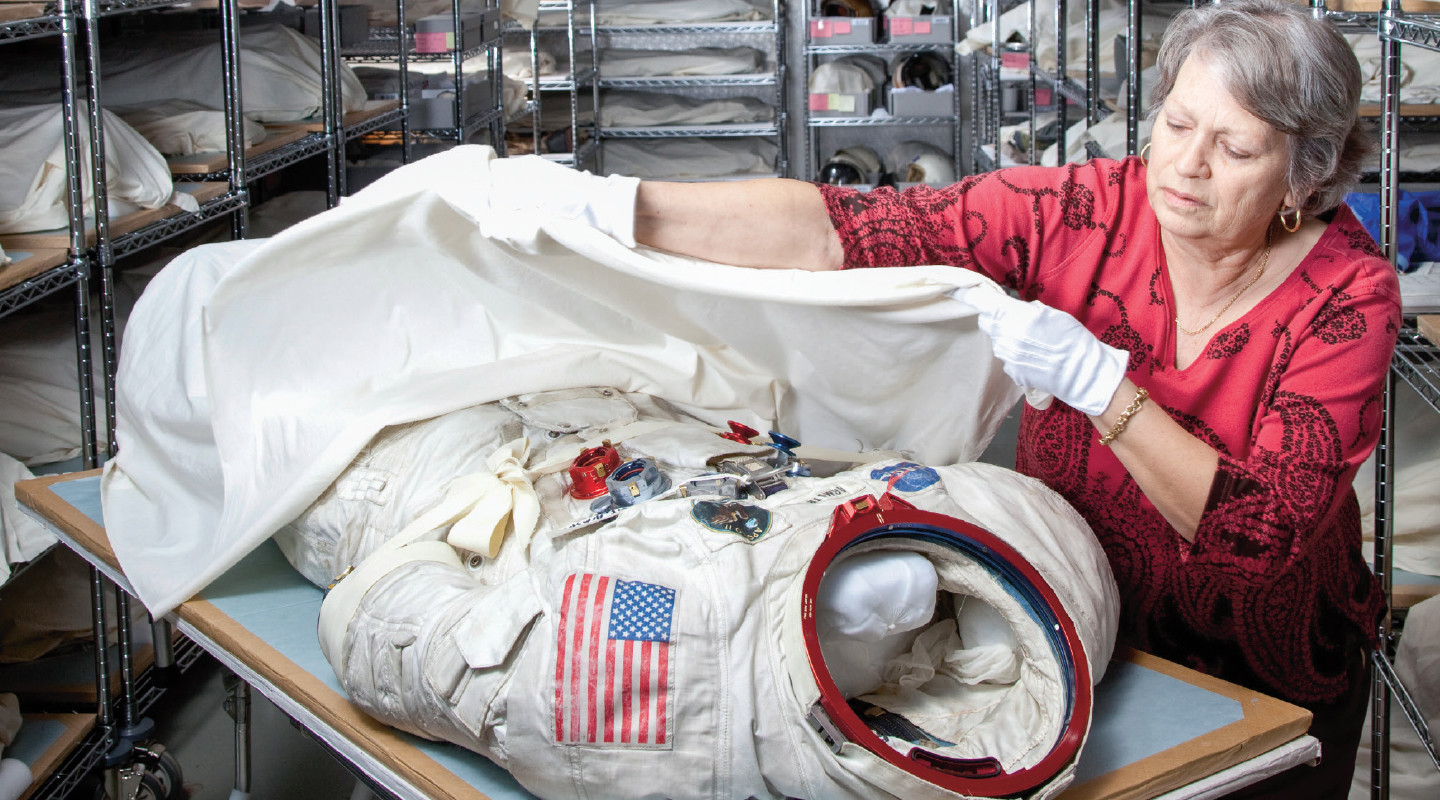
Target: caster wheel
(164,768)
(148,789)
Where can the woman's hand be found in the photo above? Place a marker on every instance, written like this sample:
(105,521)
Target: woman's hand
(1050,351)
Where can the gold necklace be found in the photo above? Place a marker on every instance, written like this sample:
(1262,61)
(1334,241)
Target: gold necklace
(1264,261)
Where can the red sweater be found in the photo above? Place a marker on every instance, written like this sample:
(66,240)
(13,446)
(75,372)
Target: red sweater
(1273,592)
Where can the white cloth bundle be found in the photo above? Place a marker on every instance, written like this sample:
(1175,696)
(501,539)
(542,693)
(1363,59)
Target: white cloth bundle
(691,157)
(181,127)
(21,537)
(619,108)
(1419,71)
(623,63)
(279,75)
(659,12)
(518,64)
(33,190)
(228,431)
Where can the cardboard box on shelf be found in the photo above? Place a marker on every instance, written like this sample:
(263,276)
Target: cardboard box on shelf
(843,30)
(920,103)
(928,29)
(840,104)
(436,33)
(354,24)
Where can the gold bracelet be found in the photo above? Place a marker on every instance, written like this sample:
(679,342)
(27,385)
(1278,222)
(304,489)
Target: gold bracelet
(1124,418)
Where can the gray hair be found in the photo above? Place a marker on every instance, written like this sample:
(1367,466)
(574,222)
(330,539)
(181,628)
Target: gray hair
(1254,46)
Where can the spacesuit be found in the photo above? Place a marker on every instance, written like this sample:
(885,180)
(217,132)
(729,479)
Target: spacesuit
(608,597)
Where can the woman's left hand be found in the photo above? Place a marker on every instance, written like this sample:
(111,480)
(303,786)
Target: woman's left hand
(1050,351)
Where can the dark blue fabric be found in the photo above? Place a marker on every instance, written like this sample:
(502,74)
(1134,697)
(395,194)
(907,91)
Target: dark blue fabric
(1418,234)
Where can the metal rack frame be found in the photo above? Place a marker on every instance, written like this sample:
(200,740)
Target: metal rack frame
(581,77)
(813,125)
(1416,362)
(774,29)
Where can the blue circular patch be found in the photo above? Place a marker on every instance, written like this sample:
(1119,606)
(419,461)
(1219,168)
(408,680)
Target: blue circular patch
(906,477)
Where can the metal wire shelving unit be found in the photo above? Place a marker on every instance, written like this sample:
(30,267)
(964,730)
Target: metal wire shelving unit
(768,86)
(822,132)
(1416,362)
(576,144)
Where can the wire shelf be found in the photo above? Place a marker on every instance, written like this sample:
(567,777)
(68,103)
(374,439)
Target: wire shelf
(690,82)
(32,289)
(756,27)
(1417,362)
(919,47)
(375,123)
(878,122)
(669,131)
(161,230)
(109,8)
(21,29)
(80,763)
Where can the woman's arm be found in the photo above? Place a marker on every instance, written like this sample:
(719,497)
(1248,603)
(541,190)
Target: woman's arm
(1169,464)
(768,223)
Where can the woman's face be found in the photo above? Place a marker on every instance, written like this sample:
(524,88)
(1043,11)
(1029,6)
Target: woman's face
(1216,172)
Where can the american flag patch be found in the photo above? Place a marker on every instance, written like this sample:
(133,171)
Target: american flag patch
(612,662)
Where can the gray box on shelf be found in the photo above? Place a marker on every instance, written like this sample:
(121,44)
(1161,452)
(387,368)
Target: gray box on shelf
(927,29)
(438,110)
(919,103)
(843,30)
(436,33)
(354,24)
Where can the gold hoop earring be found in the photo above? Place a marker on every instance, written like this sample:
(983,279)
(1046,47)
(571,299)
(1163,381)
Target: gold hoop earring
(1286,225)
(1145,154)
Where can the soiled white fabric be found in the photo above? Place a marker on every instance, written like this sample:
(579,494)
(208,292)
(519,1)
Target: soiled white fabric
(32,169)
(280,74)
(181,127)
(229,429)
(1419,71)
(1417,661)
(657,12)
(622,63)
(518,64)
(1416,530)
(20,535)
(629,109)
(39,375)
(691,157)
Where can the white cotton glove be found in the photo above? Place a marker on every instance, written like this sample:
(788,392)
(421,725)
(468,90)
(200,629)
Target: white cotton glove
(1048,350)
(533,183)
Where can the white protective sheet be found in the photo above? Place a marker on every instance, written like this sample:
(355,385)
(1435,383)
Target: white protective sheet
(659,12)
(618,62)
(254,371)
(32,169)
(657,108)
(691,157)
(279,66)
(21,537)
(182,127)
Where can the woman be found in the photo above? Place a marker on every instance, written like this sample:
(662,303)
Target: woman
(1216,324)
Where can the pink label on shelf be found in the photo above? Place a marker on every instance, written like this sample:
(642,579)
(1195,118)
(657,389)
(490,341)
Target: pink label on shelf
(819,30)
(434,42)
(842,27)
(900,26)
(1042,97)
(922,27)
(819,102)
(1015,60)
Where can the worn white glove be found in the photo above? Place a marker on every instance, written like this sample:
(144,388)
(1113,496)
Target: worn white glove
(1048,350)
(531,182)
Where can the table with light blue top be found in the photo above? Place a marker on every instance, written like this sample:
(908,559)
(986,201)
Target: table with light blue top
(1158,730)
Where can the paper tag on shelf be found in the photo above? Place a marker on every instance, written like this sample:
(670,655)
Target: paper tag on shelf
(1015,60)
(901,26)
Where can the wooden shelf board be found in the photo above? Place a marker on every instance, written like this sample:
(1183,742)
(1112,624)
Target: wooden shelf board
(35,261)
(76,727)
(215,160)
(373,108)
(60,238)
